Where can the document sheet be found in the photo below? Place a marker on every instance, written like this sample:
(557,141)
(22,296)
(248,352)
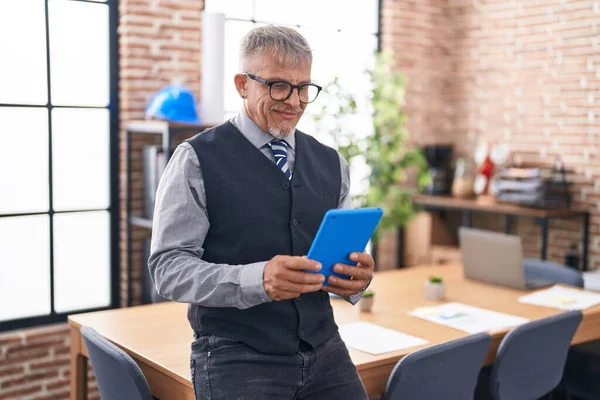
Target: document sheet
(562,298)
(467,318)
(375,339)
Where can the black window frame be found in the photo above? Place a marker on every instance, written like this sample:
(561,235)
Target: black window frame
(114,204)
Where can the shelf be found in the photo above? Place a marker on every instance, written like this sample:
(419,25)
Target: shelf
(170,133)
(488,204)
(141,222)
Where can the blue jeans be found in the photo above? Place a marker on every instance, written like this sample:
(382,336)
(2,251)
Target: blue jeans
(230,370)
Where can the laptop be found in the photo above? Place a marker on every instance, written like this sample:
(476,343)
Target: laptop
(495,258)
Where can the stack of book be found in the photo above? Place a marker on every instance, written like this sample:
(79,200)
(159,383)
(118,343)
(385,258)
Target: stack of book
(542,187)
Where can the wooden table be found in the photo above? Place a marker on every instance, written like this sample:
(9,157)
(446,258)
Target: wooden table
(158,336)
(487,204)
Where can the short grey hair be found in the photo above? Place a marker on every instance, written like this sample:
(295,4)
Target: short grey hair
(286,45)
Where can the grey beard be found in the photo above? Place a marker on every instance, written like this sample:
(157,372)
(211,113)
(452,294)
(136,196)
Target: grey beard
(280,134)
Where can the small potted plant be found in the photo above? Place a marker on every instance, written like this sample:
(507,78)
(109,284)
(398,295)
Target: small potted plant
(366,302)
(435,288)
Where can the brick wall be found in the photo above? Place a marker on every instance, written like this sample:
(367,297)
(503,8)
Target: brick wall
(526,73)
(419,35)
(159,45)
(34,365)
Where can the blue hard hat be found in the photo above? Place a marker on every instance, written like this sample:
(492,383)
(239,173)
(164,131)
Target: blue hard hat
(173,103)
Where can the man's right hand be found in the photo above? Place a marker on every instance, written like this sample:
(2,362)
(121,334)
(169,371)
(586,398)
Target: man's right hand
(285,278)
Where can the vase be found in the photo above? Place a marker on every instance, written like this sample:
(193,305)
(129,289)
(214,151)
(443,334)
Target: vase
(366,303)
(435,290)
(462,185)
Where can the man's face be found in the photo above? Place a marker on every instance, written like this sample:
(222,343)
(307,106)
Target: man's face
(279,118)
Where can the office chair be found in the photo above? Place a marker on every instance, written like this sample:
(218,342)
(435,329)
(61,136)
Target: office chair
(447,371)
(118,376)
(530,360)
(583,362)
(582,371)
(536,269)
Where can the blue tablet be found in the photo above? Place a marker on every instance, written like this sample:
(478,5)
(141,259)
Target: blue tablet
(342,232)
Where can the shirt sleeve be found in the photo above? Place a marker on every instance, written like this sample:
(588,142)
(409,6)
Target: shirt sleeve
(345,198)
(180,226)
(346,202)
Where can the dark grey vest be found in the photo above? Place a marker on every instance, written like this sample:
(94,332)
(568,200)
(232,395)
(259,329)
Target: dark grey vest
(256,213)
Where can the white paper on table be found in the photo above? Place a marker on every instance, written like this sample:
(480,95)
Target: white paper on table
(562,298)
(467,318)
(375,339)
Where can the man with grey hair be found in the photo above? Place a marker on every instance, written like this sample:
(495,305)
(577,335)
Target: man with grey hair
(237,210)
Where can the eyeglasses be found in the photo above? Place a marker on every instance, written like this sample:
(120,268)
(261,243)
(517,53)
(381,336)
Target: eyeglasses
(282,90)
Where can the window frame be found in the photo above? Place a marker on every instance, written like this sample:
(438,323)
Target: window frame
(114,204)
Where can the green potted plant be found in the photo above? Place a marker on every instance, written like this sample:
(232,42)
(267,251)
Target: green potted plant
(366,302)
(386,152)
(435,288)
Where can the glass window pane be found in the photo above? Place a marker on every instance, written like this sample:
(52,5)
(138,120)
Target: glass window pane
(25,267)
(80,158)
(353,15)
(234,32)
(24,176)
(353,73)
(357,16)
(81,261)
(325,45)
(331,57)
(330,60)
(240,9)
(79,56)
(23,49)
(282,12)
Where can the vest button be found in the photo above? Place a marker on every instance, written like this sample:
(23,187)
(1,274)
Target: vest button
(297,298)
(286,185)
(301,333)
(295,222)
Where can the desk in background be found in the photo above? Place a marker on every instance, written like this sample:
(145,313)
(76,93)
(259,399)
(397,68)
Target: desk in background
(158,336)
(510,212)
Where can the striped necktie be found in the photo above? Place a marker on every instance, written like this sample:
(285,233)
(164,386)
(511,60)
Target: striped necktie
(279,148)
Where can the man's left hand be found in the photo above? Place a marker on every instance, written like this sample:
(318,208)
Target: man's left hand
(361,275)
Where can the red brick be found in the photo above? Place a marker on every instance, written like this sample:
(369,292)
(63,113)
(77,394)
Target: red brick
(62,351)
(50,341)
(10,339)
(27,378)
(178,6)
(15,351)
(26,354)
(19,392)
(56,362)
(11,371)
(61,393)
(48,330)
(58,384)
